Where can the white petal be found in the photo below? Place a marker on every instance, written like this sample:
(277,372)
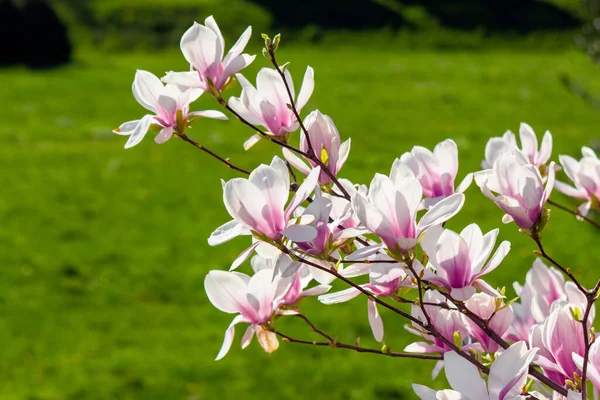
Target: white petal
(308,85)
(226,232)
(339,297)
(146,89)
(300,233)
(186,79)
(303,191)
(464,377)
(244,255)
(375,320)
(214,114)
(164,135)
(226,290)
(140,131)
(126,128)
(228,339)
(441,212)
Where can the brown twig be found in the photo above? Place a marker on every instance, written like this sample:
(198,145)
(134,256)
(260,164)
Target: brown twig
(575,213)
(225,161)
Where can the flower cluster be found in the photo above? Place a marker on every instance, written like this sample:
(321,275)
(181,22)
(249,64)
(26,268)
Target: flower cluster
(390,242)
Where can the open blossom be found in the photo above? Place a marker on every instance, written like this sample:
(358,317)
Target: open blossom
(519,187)
(543,286)
(203,47)
(325,141)
(507,377)
(529,147)
(164,101)
(498,316)
(437,170)
(384,280)
(585,175)
(390,209)
(460,260)
(258,204)
(254,300)
(267,104)
(558,338)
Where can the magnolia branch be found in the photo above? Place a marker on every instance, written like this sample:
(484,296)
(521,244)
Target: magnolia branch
(225,161)
(358,349)
(591,297)
(575,213)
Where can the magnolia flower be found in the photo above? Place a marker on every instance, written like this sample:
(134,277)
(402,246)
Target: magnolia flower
(436,171)
(558,338)
(325,141)
(165,102)
(460,260)
(267,104)
(254,299)
(520,188)
(507,378)
(585,175)
(203,47)
(499,145)
(498,316)
(384,280)
(448,321)
(543,286)
(258,204)
(330,232)
(390,209)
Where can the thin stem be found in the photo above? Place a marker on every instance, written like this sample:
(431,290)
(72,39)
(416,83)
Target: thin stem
(349,282)
(575,213)
(566,271)
(225,161)
(357,348)
(591,298)
(310,154)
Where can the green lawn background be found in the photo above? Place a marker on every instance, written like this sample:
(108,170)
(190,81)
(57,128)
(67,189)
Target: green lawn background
(103,250)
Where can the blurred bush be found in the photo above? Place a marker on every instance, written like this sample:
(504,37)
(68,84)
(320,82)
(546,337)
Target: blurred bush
(154,24)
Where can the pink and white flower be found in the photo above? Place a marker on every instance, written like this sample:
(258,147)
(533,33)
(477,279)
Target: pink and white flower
(165,102)
(507,378)
(585,175)
(497,316)
(447,320)
(529,147)
(254,299)
(543,286)
(267,104)
(460,260)
(436,171)
(519,187)
(558,338)
(325,141)
(203,47)
(390,209)
(258,204)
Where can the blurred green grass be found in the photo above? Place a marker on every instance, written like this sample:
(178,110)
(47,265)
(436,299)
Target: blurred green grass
(103,251)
